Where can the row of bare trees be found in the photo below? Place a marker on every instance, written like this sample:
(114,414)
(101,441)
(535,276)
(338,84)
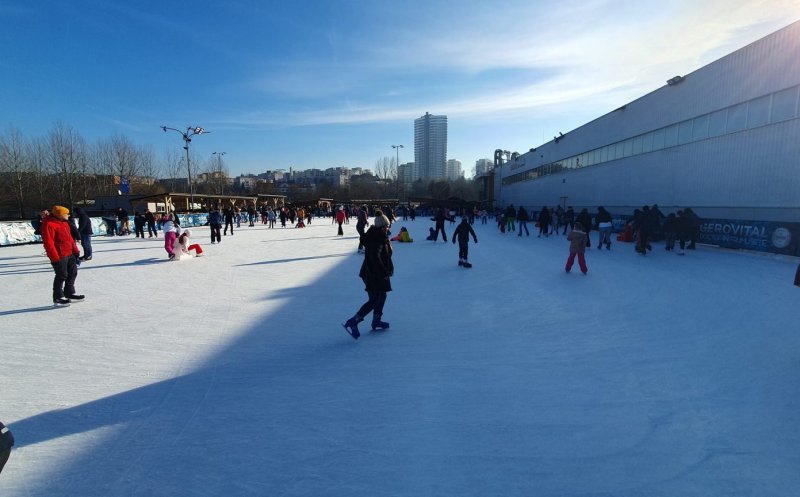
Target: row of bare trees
(62,167)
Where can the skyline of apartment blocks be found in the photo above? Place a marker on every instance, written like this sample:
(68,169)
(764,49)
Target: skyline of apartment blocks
(430,147)
(483,166)
(452,170)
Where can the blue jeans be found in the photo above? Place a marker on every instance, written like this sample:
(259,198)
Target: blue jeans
(523,224)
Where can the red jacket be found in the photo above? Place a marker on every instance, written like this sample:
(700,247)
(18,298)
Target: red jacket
(340,216)
(57,239)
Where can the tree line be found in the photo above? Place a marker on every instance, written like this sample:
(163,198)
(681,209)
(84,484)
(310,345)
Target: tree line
(62,167)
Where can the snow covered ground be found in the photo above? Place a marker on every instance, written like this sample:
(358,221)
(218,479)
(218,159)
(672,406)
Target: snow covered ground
(231,375)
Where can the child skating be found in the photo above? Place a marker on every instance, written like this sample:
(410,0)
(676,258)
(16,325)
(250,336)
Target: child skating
(462,233)
(577,247)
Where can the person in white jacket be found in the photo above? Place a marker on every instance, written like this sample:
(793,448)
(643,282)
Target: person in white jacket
(182,246)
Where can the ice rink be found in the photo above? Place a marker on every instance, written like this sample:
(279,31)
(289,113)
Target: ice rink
(231,375)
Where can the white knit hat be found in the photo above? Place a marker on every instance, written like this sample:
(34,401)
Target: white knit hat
(381,221)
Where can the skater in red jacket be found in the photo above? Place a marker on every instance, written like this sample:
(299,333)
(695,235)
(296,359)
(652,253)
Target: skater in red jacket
(63,254)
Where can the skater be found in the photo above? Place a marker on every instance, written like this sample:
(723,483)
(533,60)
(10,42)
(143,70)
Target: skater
(228,221)
(182,246)
(670,231)
(340,220)
(85,231)
(215,223)
(462,233)
(138,224)
(170,234)
(439,219)
(376,270)
(6,442)
(577,246)
(544,222)
(511,216)
(361,225)
(63,253)
(797,276)
(604,226)
(151,224)
(403,236)
(522,217)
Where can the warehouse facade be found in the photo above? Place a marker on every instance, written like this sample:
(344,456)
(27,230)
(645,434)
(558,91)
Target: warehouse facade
(724,140)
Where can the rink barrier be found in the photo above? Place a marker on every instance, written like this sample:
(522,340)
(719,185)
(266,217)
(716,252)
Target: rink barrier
(761,236)
(21,232)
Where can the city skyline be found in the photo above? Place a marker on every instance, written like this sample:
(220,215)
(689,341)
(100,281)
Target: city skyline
(320,85)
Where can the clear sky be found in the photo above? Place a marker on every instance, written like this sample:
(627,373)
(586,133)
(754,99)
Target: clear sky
(312,84)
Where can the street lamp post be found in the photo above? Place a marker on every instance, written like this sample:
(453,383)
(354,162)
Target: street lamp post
(219,170)
(397,165)
(187,138)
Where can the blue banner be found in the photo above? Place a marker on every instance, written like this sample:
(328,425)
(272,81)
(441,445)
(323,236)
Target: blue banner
(777,238)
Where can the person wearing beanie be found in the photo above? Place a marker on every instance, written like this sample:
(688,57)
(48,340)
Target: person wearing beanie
(63,253)
(376,271)
(462,233)
(182,246)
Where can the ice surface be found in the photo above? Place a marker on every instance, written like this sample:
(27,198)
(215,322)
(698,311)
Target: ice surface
(231,375)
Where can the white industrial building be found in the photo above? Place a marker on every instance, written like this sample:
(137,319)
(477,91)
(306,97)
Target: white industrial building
(724,140)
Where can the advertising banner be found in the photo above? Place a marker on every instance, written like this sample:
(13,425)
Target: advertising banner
(777,238)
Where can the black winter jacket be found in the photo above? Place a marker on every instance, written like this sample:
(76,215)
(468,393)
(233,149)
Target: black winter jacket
(377,267)
(6,438)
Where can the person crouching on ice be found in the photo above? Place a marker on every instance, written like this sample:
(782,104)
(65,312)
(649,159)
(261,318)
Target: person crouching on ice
(462,233)
(375,272)
(182,246)
(577,246)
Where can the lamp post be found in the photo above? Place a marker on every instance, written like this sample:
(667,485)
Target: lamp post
(397,165)
(219,170)
(187,138)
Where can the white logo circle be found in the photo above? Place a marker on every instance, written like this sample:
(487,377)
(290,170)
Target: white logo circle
(781,238)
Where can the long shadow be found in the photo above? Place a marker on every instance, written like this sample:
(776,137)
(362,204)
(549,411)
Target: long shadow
(140,262)
(22,257)
(29,309)
(26,271)
(304,238)
(296,259)
(166,438)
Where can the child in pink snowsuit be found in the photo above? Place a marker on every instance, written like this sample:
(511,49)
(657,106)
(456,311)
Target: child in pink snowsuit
(170,234)
(577,246)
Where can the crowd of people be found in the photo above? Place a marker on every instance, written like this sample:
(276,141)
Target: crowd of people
(61,231)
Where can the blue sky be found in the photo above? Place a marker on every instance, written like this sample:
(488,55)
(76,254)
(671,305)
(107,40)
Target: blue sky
(310,84)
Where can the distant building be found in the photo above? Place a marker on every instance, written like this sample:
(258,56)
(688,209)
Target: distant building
(430,147)
(452,170)
(483,166)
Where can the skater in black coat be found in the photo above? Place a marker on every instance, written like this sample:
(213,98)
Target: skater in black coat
(462,233)
(375,272)
(6,442)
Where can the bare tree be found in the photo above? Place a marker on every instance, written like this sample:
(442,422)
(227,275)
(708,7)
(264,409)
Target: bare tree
(41,181)
(67,151)
(14,163)
(173,165)
(149,169)
(386,168)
